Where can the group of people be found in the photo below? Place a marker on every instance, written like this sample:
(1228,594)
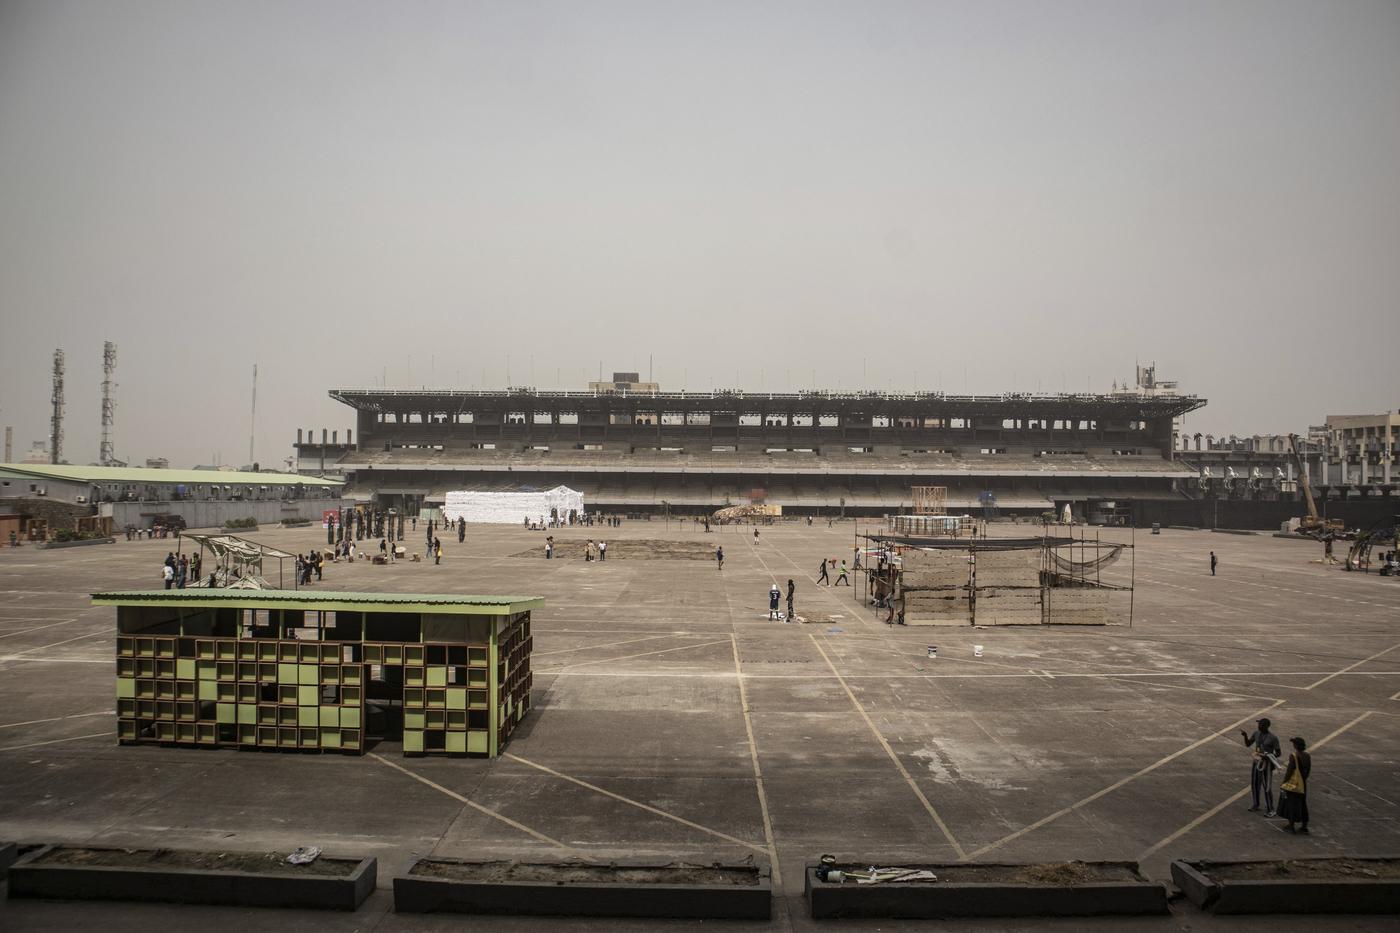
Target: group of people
(591,550)
(156,531)
(775,595)
(1293,790)
(823,579)
(177,570)
(309,564)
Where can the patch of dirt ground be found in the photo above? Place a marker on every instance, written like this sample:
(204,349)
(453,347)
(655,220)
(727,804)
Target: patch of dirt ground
(262,863)
(1334,869)
(1051,874)
(675,873)
(641,549)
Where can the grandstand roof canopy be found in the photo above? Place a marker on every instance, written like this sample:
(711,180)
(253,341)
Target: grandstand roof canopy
(1024,404)
(101,474)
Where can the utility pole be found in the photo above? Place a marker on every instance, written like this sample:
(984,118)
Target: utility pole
(109,365)
(56,426)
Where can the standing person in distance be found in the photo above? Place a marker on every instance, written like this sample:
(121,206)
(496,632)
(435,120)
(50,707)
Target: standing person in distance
(1293,792)
(1213,562)
(792,589)
(1261,774)
(775,595)
(719,556)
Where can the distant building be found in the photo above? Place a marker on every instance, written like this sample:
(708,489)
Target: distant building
(141,496)
(38,453)
(157,463)
(1362,448)
(625,383)
(631,448)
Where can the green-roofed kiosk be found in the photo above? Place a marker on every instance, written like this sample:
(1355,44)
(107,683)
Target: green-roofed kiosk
(275,669)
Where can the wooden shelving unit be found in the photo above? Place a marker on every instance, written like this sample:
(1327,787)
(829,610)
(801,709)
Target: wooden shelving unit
(258,670)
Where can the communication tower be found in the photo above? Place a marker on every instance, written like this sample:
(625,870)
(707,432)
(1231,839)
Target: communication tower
(56,427)
(105,455)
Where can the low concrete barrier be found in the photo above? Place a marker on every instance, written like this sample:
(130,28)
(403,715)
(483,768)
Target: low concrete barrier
(9,851)
(1203,885)
(416,892)
(50,545)
(31,876)
(940,899)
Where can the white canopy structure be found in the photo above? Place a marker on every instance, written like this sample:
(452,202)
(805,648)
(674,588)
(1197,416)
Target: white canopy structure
(511,507)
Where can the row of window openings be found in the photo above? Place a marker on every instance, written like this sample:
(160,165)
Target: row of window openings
(753,421)
(732,448)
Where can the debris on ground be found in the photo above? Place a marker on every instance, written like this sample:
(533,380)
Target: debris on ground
(304,855)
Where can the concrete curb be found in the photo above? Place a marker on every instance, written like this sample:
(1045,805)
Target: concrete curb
(424,894)
(938,900)
(1285,896)
(189,886)
(54,545)
(9,851)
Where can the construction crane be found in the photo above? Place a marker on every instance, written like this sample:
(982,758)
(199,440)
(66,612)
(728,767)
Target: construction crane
(1312,524)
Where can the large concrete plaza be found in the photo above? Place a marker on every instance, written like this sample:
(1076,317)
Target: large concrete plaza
(672,720)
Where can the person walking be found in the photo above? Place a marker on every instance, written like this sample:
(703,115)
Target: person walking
(437,551)
(856,564)
(792,588)
(1213,562)
(822,578)
(1293,792)
(167,573)
(755,536)
(1261,774)
(841,575)
(775,596)
(461,530)
(719,556)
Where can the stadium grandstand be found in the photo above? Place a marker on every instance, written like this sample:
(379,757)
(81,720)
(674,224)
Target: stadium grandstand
(630,447)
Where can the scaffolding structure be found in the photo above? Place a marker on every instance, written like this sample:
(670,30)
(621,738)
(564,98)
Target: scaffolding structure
(930,500)
(1025,581)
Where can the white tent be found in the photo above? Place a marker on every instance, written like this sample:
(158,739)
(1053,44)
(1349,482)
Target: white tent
(511,507)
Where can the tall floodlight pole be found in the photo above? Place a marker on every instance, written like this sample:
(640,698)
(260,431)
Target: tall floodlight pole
(253,420)
(56,427)
(105,456)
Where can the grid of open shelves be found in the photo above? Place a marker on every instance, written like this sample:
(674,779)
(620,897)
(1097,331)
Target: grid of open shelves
(514,675)
(226,692)
(446,695)
(325,680)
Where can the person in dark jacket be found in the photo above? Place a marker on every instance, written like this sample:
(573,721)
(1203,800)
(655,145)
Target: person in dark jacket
(1293,804)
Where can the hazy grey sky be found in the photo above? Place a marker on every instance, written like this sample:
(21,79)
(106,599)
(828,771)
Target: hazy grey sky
(969,196)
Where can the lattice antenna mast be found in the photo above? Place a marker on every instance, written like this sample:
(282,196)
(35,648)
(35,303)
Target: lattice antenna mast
(253,421)
(56,426)
(105,456)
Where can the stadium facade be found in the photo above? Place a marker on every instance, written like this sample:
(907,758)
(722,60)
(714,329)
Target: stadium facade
(629,447)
